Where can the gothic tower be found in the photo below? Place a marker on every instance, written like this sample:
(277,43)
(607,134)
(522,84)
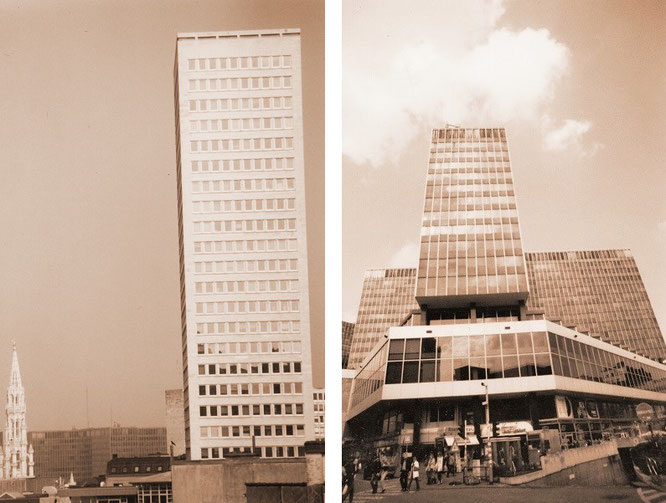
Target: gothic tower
(16,460)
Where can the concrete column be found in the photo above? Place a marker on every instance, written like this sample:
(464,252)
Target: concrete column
(314,460)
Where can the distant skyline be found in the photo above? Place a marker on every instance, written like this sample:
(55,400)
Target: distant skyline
(89,262)
(578,87)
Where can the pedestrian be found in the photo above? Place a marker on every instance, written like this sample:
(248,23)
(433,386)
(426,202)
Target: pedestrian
(405,468)
(375,474)
(431,469)
(439,466)
(415,474)
(450,464)
(351,468)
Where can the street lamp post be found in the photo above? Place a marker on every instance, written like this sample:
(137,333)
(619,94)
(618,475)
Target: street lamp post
(488,446)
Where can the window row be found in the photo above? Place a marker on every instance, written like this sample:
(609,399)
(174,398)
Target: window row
(241,83)
(244,348)
(428,348)
(266,430)
(464,167)
(231,266)
(242,124)
(271,388)
(242,144)
(470,147)
(460,156)
(465,369)
(247,306)
(265,452)
(440,185)
(259,286)
(245,245)
(238,104)
(468,134)
(276,409)
(247,368)
(239,63)
(452,213)
(264,164)
(248,327)
(246,185)
(260,225)
(488,230)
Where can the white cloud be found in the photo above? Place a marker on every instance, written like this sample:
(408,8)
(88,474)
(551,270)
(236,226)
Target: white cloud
(407,70)
(407,256)
(569,137)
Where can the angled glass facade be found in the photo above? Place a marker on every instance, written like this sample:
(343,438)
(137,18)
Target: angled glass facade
(598,291)
(347,336)
(470,238)
(387,298)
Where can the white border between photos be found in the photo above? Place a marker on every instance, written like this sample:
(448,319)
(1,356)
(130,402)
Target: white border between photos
(333,236)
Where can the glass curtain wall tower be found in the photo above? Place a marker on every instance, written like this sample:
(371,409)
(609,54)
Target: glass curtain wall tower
(243,258)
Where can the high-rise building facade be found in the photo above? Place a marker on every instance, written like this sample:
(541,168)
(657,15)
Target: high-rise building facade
(86,452)
(175,421)
(470,238)
(243,257)
(563,357)
(599,292)
(386,299)
(347,336)
(319,402)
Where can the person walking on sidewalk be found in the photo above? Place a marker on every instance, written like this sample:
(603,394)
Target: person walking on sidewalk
(350,469)
(439,464)
(415,474)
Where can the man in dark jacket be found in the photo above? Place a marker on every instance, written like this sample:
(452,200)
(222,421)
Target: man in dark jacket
(350,469)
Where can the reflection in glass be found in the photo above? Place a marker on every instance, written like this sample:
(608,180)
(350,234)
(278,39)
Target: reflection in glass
(445,370)
(477,368)
(427,371)
(494,364)
(524,343)
(540,342)
(476,346)
(508,344)
(460,348)
(543,364)
(444,347)
(396,349)
(510,365)
(460,369)
(527,367)
(493,345)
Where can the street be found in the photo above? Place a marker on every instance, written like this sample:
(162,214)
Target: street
(498,494)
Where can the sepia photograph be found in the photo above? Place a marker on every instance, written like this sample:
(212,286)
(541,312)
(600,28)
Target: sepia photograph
(162,261)
(492,354)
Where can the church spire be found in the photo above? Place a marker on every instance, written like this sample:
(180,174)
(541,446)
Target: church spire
(15,377)
(17,462)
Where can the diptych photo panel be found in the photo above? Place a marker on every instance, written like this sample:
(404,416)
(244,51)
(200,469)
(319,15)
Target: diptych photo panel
(492,354)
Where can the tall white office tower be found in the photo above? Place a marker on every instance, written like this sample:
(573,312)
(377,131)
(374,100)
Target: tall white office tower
(243,257)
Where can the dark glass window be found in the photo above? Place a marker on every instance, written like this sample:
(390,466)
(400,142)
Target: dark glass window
(494,364)
(527,367)
(393,372)
(477,368)
(428,345)
(411,372)
(543,364)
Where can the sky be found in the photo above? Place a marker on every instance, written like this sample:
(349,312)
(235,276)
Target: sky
(89,284)
(579,86)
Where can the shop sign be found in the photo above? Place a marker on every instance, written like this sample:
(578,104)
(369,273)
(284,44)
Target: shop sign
(514,428)
(645,412)
(487,430)
(469,430)
(592,409)
(563,407)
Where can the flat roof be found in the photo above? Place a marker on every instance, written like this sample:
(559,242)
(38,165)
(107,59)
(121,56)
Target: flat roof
(238,34)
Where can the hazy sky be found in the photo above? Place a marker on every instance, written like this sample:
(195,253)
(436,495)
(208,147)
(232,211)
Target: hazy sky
(580,87)
(89,251)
